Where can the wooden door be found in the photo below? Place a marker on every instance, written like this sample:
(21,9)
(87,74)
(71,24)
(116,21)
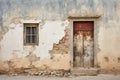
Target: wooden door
(83,41)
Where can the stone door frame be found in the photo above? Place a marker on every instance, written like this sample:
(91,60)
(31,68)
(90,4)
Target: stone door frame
(95,20)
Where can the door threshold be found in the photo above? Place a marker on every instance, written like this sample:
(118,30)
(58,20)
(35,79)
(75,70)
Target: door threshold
(85,71)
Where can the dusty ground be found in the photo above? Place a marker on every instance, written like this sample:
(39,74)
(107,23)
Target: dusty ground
(99,77)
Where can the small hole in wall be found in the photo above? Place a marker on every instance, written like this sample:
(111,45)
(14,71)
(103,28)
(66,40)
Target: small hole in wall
(118,59)
(106,59)
(113,68)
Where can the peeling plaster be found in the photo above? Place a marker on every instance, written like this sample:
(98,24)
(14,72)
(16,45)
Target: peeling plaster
(51,16)
(51,32)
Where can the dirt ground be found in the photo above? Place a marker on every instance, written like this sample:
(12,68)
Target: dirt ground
(99,77)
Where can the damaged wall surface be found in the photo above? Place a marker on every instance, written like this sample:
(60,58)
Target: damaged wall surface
(55,33)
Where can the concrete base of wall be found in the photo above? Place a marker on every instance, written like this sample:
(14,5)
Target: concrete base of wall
(112,71)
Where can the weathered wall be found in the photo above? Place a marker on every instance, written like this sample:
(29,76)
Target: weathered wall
(20,56)
(109,54)
(53,51)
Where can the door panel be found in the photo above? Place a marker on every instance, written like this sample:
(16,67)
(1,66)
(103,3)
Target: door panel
(83,44)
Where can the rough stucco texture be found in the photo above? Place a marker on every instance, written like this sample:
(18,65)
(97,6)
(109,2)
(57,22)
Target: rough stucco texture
(20,56)
(53,51)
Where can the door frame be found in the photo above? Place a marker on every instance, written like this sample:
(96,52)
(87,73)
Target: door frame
(72,20)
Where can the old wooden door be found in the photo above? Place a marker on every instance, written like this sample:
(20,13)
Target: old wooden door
(83,40)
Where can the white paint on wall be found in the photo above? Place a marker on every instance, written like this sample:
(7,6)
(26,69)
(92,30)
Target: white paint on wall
(50,33)
(12,40)
(30,21)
